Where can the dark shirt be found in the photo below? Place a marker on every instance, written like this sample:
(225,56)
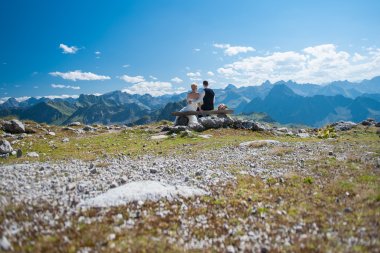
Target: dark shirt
(208,100)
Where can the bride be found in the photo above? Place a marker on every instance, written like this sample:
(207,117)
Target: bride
(194,100)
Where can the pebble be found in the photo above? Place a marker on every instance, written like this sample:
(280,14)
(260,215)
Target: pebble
(230,249)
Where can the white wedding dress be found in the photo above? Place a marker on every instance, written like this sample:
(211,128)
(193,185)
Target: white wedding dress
(192,106)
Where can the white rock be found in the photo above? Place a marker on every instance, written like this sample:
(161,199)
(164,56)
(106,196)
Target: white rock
(141,190)
(159,137)
(303,135)
(65,140)
(5,147)
(75,124)
(5,244)
(32,154)
(205,136)
(247,143)
(51,133)
(111,237)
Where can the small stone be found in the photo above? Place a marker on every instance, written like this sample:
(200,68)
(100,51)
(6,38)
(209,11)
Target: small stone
(65,140)
(70,186)
(331,153)
(348,210)
(153,171)
(123,180)
(264,250)
(93,171)
(278,200)
(51,133)
(198,173)
(230,249)
(111,237)
(19,153)
(113,185)
(42,168)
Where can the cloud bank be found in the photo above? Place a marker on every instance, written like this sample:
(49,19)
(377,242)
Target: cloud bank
(319,64)
(79,75)
(154,88)
(61,86)
(132,79)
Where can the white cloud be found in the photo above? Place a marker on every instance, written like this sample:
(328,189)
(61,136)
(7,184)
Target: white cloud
(60,96)
(358,57)
(79,75)
(35,87)
(210,73)
(132,79)
(176,80)
(194,76)
(319,64)
(68,50)
(155,88)
(153,77)
(234,50)
(126,65)
(197,49)
(98,53)
(61,86)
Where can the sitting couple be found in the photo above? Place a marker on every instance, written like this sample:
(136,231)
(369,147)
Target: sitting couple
(198,101)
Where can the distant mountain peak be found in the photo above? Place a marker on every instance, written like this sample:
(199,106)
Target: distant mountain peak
(230,87)
(281,90)
(267,82)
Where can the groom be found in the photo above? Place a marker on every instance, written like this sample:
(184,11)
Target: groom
(208,98)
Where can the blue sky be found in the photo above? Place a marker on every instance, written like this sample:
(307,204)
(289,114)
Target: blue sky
(160,47)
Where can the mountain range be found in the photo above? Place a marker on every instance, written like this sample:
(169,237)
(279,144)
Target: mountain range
(285,102)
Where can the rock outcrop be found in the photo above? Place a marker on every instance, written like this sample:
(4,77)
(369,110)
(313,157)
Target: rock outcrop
(214,122)
(13,126)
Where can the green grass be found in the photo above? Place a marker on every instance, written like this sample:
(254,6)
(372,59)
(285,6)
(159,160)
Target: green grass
(338,197)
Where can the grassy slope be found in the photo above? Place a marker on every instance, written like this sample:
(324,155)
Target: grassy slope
(315,200)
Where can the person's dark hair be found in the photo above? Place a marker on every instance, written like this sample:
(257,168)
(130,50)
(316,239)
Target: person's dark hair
(205,83)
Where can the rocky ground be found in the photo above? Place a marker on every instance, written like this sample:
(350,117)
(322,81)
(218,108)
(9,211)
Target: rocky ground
(263,188)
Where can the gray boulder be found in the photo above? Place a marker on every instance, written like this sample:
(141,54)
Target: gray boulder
(196,127)
(74,124)
(14,127)
(343,125)
(216,122)
(368,122)
(89,129)
(5,147)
